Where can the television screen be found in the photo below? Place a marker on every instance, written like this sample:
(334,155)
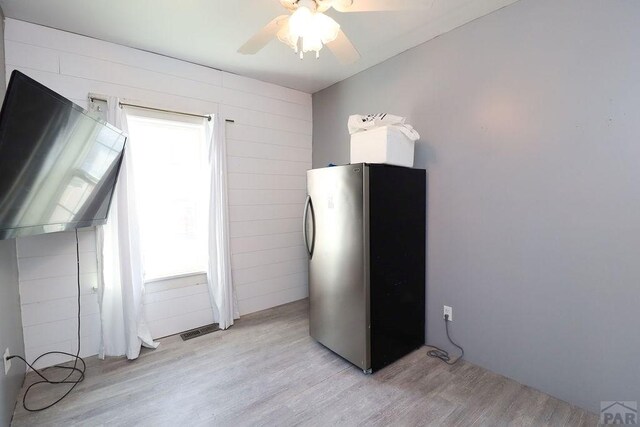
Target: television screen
(58,162)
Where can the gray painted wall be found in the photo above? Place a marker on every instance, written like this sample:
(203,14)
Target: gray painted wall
(530,125)
(10,316)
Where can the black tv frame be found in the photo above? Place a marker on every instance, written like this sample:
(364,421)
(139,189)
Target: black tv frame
(13,232)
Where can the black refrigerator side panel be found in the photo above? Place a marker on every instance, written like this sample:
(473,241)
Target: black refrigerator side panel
(397,198)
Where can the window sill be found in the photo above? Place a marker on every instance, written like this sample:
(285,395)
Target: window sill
(175,282)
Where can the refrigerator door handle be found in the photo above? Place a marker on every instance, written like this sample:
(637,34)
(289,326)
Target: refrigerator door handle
(308,204)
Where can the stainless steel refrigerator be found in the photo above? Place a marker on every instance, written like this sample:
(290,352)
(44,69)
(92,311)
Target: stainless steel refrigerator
(365,231)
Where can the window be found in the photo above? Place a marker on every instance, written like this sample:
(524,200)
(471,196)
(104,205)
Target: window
(170,187)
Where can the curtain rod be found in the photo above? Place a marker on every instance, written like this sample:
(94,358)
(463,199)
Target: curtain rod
(123,104)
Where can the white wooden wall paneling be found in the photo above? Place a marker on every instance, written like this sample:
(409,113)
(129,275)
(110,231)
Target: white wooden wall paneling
(256,212)
(269,148)
(265,257)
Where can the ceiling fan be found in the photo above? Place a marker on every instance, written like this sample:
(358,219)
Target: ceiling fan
(307,28)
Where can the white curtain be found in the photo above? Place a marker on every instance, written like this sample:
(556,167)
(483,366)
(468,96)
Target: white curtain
(221,291)
(120,268)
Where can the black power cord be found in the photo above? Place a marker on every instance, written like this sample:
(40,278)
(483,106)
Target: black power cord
(71,369)
(441,354)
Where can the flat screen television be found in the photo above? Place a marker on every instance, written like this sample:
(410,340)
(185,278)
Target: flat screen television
(59,163)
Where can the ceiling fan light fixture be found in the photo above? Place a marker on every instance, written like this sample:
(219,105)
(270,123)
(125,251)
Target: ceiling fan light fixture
(311,43)
(308,30)
(299,21)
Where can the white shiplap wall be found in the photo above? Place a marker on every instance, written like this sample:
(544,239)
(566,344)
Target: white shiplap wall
(48,294)
(269,150)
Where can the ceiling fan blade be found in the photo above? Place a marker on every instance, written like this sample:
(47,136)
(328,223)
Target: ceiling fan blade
(343,49)
(377,5)
(264,36)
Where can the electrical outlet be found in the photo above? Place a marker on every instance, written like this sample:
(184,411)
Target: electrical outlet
(447,311)
(7,362)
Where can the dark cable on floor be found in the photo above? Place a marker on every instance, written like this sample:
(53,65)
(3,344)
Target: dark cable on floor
(441,354)
(76,357)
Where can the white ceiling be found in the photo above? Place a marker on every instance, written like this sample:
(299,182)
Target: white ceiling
(209,32)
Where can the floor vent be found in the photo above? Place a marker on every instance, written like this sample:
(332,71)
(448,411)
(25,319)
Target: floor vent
(193,333)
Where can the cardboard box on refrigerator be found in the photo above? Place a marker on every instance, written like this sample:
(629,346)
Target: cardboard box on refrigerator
(385,144)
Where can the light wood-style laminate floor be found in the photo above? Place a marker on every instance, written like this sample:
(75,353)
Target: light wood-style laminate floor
(266,370)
